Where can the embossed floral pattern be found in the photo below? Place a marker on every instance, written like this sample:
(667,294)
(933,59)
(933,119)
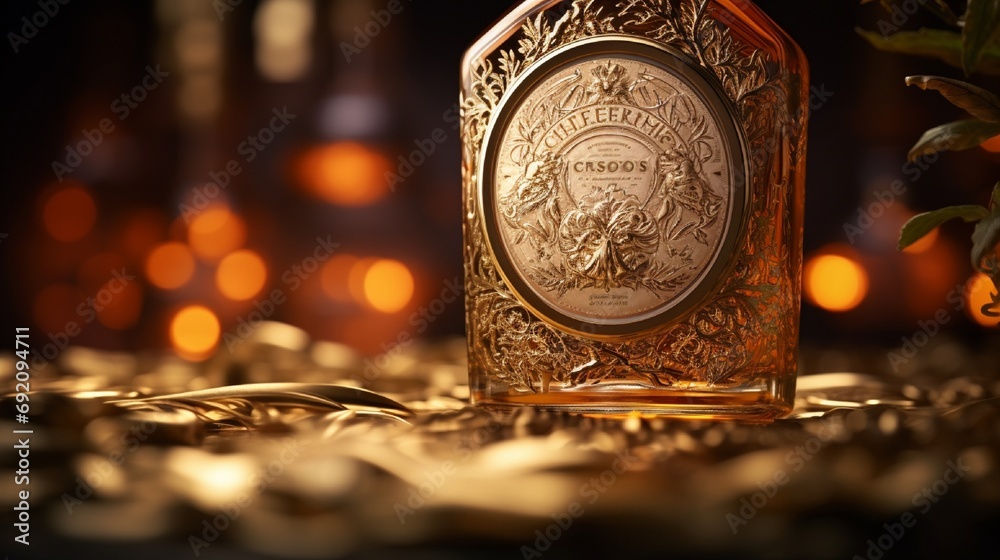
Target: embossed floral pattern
(609,244)
(610,84)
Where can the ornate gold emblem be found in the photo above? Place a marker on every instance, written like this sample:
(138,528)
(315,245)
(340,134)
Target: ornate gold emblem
(613,186)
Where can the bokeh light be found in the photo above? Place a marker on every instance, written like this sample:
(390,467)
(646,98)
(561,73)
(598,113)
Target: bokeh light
(345,174)
(194,332)
(388,286)
(835,282)
(283,33)
(335,277)
(241,275)
(213,480)
(69,214)
(215,233)
(170,266)
(356,279)
(979,292)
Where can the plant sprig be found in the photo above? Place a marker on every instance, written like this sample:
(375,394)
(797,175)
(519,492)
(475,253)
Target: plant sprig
(975,47)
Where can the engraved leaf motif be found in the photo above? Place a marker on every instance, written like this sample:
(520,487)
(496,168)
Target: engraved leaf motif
(701,38)
(533,191)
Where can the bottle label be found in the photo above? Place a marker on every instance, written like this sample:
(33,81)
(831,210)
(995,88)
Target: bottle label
(614,186)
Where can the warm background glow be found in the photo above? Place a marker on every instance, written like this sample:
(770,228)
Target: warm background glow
(69,214)
(94,273)
(124,309)
(194,332)
(241,275)
(56,306)
(356,279)
(388,286)
(336,276)
(345,174)
(835,282)
(170,266)
(213,201)
(215,233)
(140,231)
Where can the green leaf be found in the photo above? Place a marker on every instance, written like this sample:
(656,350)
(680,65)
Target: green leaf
(956,136)
(934,43)
(943,11)
(982,26)
(985,238)
(979,103)
(922,224)
(995,202)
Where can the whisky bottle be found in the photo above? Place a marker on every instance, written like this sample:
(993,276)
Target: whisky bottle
(633,182)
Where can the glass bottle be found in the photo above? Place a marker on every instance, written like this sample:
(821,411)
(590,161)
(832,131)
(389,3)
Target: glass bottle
(633,196)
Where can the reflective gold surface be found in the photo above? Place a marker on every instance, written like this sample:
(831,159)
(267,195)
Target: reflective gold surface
(133,454)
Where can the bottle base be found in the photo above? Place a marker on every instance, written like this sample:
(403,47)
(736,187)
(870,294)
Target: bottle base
(744,406)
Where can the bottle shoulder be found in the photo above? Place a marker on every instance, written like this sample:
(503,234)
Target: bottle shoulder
(751,25)
(740,23)
(500,32)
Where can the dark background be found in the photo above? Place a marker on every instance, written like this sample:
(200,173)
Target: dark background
(64,79)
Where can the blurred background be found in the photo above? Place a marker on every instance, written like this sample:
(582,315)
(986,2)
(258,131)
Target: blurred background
(175,171)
